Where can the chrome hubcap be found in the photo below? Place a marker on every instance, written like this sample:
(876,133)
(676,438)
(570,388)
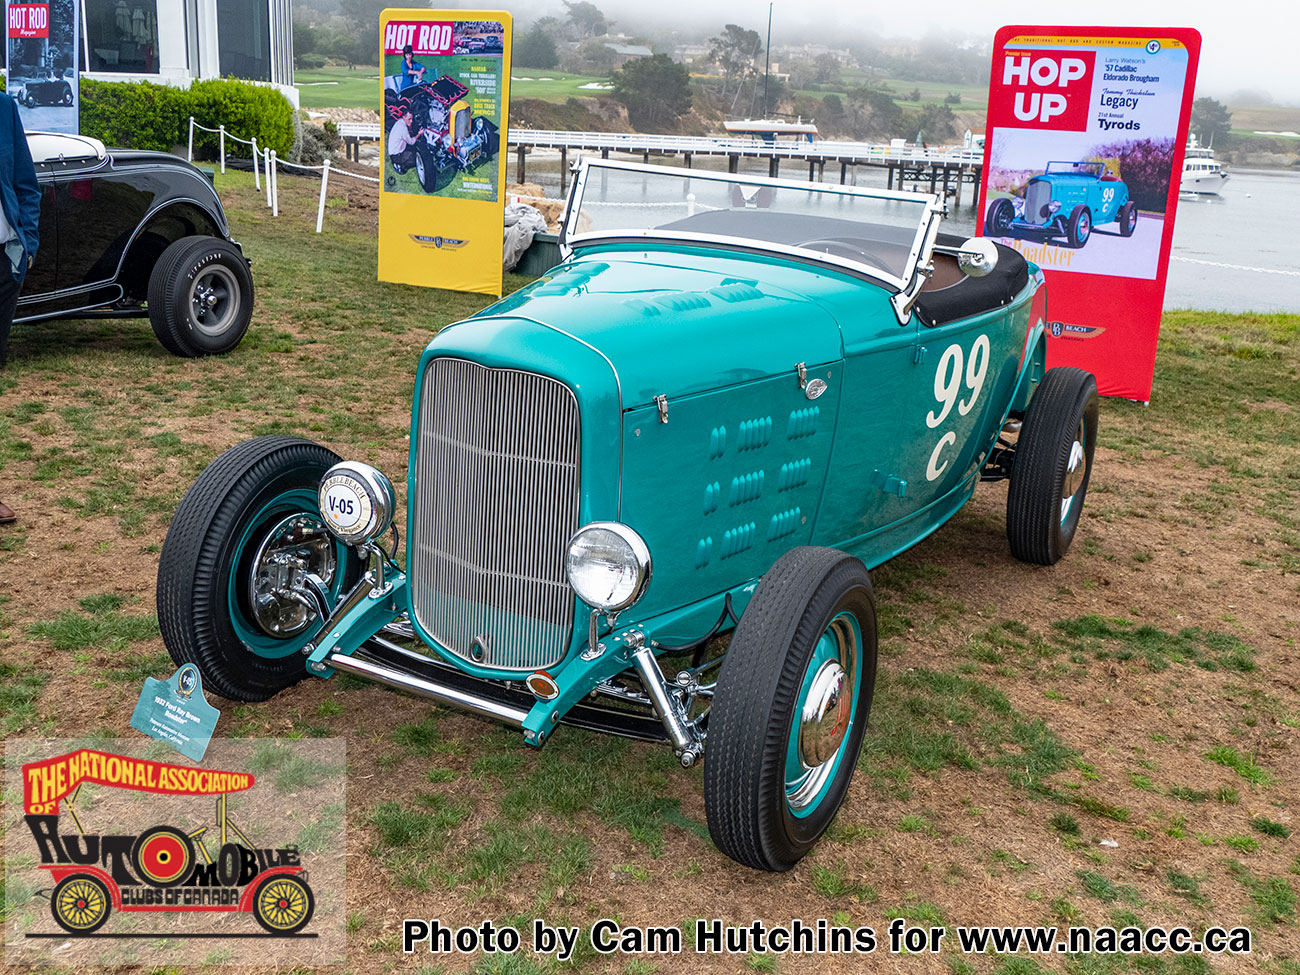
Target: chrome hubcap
(295,558)
(825,718)
(1075,468)
(214,296)
(826,715)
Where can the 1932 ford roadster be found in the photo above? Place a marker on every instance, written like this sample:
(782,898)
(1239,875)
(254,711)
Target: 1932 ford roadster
(727,403)
(1068,200)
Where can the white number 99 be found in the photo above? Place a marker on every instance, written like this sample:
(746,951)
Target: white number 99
(977,367)
(947,384)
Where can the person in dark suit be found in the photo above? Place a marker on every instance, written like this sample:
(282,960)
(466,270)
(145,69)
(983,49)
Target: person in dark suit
(20,217)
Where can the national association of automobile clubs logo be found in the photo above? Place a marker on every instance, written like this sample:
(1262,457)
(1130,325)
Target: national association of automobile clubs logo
(438,242)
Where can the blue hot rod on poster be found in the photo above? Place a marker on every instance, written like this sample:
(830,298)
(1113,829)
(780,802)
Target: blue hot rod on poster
(645,491)
(1069,200)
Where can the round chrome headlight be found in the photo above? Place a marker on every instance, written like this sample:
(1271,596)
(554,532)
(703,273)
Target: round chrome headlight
(608,565)
(356,502)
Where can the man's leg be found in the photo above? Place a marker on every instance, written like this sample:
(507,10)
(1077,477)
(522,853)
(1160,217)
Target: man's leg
(8,302)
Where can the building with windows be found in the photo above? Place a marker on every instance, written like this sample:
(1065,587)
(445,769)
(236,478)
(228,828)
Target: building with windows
(178,41)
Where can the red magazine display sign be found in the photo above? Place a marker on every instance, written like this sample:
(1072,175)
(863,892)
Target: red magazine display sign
(1086,131)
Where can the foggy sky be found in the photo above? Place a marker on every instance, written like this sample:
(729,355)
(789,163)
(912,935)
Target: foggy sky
(1245,43)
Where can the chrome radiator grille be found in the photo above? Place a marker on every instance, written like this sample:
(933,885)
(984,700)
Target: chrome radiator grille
(495,502)
(1037,196)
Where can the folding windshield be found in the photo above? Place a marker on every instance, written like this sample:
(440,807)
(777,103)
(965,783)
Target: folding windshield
(1088,168)
(876,233)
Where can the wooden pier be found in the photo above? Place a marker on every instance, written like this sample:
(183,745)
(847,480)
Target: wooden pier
(921,166)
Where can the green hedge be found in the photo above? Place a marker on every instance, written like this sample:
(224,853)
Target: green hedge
(140,115)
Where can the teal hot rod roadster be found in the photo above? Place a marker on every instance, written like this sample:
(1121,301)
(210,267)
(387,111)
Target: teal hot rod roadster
(733,397)
(1070,200)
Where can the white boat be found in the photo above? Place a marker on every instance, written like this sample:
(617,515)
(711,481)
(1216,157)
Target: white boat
(1201,172)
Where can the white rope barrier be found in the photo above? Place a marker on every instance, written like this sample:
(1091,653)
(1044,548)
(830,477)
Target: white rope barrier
(267,163)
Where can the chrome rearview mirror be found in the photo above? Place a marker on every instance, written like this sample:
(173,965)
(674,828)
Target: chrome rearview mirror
(977,256)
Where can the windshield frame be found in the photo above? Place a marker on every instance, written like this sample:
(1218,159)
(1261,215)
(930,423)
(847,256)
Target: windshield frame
(1076,163)
(918,256)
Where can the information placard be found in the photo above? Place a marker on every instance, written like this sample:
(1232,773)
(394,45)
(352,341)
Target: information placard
(41,63)
(1082,157)
(446,98)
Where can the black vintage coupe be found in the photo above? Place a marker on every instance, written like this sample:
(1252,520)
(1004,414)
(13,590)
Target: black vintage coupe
(49,90)
(132,233)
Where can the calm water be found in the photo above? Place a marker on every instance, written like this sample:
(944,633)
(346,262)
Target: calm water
(1252,224)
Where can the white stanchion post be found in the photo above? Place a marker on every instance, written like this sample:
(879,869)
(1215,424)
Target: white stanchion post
(690,204)
(266,165)
(257,180)
(324,182)
(275,185)
(221,129)
(190,155)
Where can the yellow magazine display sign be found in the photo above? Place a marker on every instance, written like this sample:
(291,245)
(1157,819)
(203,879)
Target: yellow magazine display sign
(446,77)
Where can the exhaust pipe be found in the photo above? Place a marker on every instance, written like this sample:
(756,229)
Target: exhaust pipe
(425,688)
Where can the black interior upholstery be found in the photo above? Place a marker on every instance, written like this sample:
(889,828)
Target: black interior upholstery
(970,296)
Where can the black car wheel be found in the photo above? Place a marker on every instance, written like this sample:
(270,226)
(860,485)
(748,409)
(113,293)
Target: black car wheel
(1128,219)
(80,903)
(1079,227)
(236,570)
(1052,466)
(998,220)
(790,709)
(200,296)
(67,95)
(30,100)
(424,167)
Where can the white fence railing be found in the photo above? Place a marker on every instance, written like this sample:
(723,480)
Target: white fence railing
(267,161)
(636,142)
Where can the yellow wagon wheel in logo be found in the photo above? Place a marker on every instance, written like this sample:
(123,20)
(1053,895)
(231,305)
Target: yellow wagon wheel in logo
(283,904)
(163,856)
(80,903)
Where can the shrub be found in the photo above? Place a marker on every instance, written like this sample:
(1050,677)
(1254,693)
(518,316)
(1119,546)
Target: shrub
(141,115)
(318,143)
(246,110)
(136,115)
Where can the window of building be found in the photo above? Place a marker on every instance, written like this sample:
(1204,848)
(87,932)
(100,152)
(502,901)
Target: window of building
(122,35)
(245,39)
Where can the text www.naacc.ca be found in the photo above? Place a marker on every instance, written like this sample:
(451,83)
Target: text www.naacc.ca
(714,936)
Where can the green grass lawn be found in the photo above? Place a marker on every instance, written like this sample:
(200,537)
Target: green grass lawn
(1141,692)
(339,87)
(362,87)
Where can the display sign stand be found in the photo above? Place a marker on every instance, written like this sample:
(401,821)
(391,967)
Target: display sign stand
(445,110)
(1082,158)
(41,65)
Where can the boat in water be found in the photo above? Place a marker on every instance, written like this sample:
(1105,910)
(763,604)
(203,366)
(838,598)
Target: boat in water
(1202,174)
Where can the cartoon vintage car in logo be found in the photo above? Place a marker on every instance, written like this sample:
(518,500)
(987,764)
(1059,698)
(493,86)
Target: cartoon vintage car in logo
(158,870)
(1068,200)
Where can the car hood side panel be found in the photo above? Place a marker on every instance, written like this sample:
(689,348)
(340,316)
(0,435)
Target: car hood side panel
(732,480)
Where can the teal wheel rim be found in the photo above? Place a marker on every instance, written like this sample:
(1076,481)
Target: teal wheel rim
(822,724)
(256,637)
